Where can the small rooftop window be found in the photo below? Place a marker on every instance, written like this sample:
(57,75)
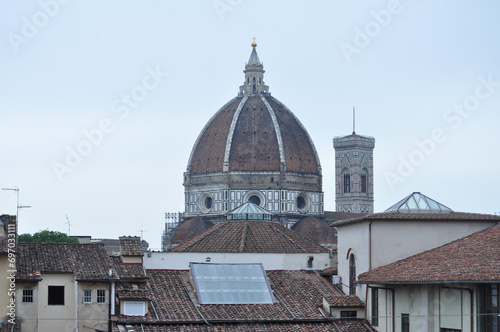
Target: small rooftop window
(231,283)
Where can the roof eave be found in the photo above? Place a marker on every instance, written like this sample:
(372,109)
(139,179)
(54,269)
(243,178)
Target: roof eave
(432,282)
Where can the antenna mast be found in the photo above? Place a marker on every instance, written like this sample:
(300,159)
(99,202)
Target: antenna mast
(353,120)
(69,225)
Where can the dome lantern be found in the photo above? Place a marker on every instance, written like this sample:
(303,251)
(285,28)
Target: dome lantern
(254,75)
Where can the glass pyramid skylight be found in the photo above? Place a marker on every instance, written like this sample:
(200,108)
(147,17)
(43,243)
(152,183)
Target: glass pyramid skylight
(249,211)
(418,202)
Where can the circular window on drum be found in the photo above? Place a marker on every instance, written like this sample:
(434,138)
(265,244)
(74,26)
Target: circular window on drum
(255,197)
(205,202)
(303,202)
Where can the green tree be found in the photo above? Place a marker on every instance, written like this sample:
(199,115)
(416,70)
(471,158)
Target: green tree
(47,236)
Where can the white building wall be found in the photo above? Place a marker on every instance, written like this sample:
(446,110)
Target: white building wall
(181,260)
(353,238)
(430,308)
(392,241)
(57,317)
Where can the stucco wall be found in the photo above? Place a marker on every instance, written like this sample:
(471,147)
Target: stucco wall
(4,284)
(353,238)
(92,315)
(430,308)
(180,260)
(57,317)
(27,313)
(392,241)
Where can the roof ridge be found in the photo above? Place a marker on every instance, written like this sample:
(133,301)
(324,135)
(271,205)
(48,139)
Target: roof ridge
(243,238)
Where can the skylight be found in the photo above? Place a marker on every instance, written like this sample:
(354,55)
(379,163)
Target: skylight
(418,202)
(249,211)
(231,283)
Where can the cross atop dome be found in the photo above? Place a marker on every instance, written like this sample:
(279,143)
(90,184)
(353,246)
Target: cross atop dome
(254,75)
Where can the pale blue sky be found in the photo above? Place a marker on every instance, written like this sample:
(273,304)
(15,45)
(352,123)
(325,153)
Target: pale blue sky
(68,75)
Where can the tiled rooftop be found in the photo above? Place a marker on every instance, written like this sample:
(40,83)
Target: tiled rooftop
(250,237)
(131,246)
(420,216)
(127,271)
(5,221)
(300,295)
(87,261)
(317,230)
(472,258)
(344,326)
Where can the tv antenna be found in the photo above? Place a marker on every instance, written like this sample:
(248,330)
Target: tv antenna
(142,229)
(69,225)
(353,120)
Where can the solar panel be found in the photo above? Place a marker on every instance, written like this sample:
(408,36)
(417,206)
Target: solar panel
(231,283)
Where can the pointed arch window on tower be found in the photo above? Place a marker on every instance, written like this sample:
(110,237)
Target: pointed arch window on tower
(364,182)
(254,87)
(260,80)
(347,183)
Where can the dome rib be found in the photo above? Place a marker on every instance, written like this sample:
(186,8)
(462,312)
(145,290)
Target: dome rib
(287,143)
(227,153)
(278,132)
(194,150)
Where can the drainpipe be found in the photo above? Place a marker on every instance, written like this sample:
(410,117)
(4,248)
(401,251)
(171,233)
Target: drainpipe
(76,305)
(471,295)
(112,298)
(370,246)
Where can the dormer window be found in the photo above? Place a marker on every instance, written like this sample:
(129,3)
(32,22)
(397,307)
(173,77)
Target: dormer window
(134,308)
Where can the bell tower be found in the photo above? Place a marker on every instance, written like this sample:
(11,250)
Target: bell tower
(354,173)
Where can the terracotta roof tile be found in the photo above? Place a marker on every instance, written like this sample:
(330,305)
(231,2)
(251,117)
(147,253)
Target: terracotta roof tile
(190,228)
(421,216)
(335,216)
(250,237)
(123,293)
(470,259)
(127,271)
(302,293)
(352,326)
(317,230)
(131,246)
(87,261)
(6,220)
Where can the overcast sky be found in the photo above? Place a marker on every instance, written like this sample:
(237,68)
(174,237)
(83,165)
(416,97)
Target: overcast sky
(102,101)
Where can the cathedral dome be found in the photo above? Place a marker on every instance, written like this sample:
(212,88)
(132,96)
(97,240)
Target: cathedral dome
(253,149)
(254,133)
